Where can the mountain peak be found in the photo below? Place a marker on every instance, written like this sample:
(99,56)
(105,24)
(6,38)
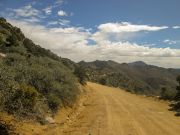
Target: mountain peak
(137,63)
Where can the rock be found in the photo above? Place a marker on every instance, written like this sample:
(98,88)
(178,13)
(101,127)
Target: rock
(50,120)
(2,55)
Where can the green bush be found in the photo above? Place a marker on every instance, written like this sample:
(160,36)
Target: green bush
(177,97)
(29,95)
(24,77)
(167,94)
(81,74)
(22,100)
(178,89)
(33,81)
(54,102)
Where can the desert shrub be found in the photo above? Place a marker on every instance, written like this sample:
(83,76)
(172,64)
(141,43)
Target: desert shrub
(36,50)
(178,89)
(19,99)
(167,93)
(54,102)
(29,95)
(12,41)
(81,74)
(102,81)
(177,97)
(46,76)
(176,107)
(18,49)
(4,31)
(7,128)
(3,129)
(22,100)
(5,24)
(33,80)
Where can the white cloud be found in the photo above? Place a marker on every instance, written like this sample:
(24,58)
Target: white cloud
(48,10)
(64,22)
(51,23)
(32,20)
(127,27)
(58,2)
(26,11)
(176,27)
(122,31)
(72,42)
(62,13)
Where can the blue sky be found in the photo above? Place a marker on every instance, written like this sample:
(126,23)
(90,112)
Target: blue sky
(120,30)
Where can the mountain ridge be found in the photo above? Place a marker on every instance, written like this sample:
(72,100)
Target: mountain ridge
(139,76)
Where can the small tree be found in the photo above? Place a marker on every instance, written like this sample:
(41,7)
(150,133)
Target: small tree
(81,74)
(163,93)
(177,97)
(167,93)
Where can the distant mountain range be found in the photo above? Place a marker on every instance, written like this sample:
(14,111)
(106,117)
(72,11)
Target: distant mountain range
(137,77)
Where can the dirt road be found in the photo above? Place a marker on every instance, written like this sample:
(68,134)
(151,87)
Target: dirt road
(110,111)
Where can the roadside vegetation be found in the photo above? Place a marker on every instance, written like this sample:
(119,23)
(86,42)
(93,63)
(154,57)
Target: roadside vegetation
(176,106)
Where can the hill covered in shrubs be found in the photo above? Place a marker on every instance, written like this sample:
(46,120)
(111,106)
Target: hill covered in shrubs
(137,77)
(33,81)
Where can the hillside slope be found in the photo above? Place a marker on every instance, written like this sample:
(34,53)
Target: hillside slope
(137,77)
(34,82)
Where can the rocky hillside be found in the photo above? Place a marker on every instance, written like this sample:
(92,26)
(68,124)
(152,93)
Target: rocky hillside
(137,77)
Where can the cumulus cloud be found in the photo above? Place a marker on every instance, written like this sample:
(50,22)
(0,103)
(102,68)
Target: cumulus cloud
(122,31)
(52,38)
(62,13)
(127,27)
(72,42)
